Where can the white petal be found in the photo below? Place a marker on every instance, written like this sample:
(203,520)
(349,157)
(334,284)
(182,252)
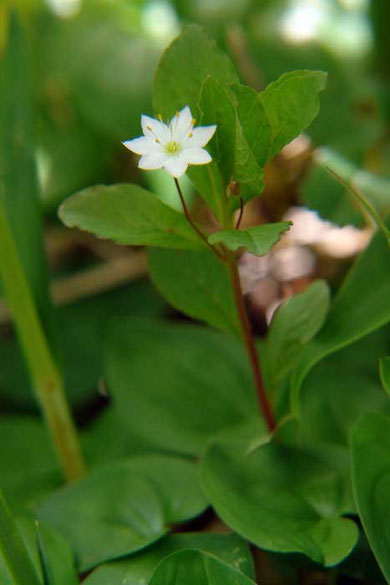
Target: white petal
(152,161)
(181,124)
(153,129)
(195,156)
(175,166)
(142,145)
(201,135)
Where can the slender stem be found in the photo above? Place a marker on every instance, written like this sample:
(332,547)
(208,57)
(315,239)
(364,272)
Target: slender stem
(241,214)
(45,376)
(249,342)
(193,224)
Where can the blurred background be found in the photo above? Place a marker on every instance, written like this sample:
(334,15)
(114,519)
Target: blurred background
(88,77)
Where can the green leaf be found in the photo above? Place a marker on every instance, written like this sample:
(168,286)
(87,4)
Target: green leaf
(136,569)
(183,68)
(294,324)
(361,306)
(111,513)
(195,566)
(384,371)
(28,464)
(197,284)
(18,177)
(161,375)
(291,104)
(13,550)
(129,215)
(282,498)
(257,240)
(370,450)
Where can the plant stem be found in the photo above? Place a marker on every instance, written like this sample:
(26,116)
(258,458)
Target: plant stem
(193,224)
(45,376)
(249,342)
(240,214)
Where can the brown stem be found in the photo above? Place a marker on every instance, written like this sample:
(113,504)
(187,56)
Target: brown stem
(193,225)
(249,342)
(241,214)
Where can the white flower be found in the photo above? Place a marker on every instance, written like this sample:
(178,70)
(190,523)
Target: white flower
(172,146)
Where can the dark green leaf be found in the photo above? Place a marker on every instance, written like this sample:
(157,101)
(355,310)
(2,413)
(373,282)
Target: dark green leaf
(183,68)
(162,375)
(129,215)
(370,449)
(136,569)
(291,104)
(294,324)
(283,498)
(361,306)
(195,566)
(111,513)
(384,371)
(197,284)
(257,240)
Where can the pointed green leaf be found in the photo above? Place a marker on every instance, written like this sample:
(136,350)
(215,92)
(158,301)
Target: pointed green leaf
(370,450)
(129,215)
(195,566)
(197,284)
(161,375)
(291,104)
(139,569)
(282,498)
(362,305)
(183,68)
(256,240)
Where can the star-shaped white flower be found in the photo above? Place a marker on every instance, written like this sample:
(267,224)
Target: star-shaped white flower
(172,146)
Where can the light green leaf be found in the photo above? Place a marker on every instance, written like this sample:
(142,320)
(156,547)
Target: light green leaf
(161,375)
(197,284)
(13,553)
(291,104)
(257,240)
(195,566)
(294,324)
(361,306)
(129,215)
(111,513)
(282,498)
(183,68)
(370,450)
(384,371)
(136,569)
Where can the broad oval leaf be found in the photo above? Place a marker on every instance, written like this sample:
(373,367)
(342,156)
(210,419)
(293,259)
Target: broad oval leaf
(370,450)
(256,240)
(197,284)
(282,498)
(162,375)
(128,214)
(195,566)
(139,568)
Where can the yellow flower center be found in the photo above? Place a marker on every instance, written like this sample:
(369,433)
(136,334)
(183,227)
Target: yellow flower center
(172,147)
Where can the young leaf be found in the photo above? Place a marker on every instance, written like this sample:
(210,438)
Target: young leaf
(122,511)
(183,68)
(197,284)
(294,324)
(291,103)
(13,551)
(160,376)
(195,566)
(384,371)
(282,498)
(370,450)
(139,569)
(361,306)
(256,240)
(129,215)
